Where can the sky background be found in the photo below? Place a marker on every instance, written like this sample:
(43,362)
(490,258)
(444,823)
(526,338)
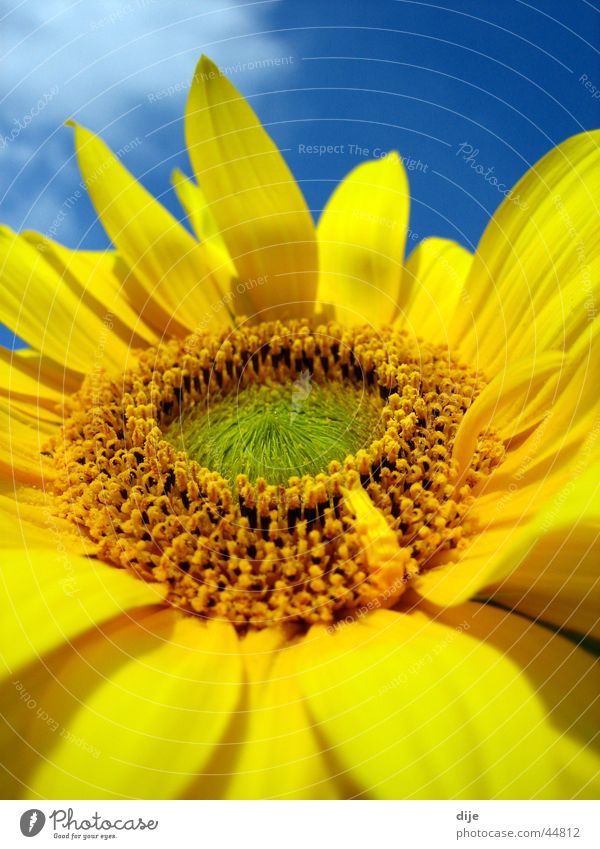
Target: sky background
(449,85)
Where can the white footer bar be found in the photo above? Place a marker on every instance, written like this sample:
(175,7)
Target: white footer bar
(301,825)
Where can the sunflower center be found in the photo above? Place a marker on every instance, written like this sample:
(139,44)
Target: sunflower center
(275,473)
(274,430)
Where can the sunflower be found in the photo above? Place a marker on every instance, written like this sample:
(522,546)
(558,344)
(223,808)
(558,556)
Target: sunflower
(285,516)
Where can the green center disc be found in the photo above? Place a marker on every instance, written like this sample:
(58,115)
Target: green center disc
(275,431)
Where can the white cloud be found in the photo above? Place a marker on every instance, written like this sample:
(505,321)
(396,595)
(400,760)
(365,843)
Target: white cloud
(103,63)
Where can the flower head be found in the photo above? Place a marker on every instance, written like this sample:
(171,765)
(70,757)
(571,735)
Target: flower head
(262,483)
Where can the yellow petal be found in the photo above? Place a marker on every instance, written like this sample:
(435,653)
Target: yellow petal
(435,275)
(388,562)
(273,751)
(38,305)
(253,197)
(560,448)
(556,577)
(38,702)
(362,234)
(25,376)
(26,519)
(51,595)
(547,568)
(540,239)
(509,404)
(476,703)
(564,320)
(198,211)
(165,258)
(194,202)
(546,416)
(26,431)
(91,275)
(516,508)
(154,705)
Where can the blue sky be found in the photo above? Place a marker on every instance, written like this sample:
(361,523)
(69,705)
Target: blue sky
(447,84)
